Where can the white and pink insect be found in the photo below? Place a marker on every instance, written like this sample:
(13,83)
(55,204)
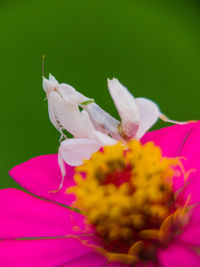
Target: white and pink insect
(92,127)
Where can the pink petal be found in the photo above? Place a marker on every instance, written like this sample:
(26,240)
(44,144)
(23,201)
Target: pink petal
(183,141)
(171,139)
(114,264)
(22,215)
(191,150)
(178,256)
(193,189)
(195,215)
(191,233)
(42,174)
(91,260)
(47,253)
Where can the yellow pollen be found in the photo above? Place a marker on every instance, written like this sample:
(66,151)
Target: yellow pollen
(126,195)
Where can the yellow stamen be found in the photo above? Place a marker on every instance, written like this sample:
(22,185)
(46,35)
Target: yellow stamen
(124,258)
(149,234)
(165,226)
(126,195)
(136,248)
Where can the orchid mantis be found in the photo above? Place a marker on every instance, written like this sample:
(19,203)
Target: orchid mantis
(93,127)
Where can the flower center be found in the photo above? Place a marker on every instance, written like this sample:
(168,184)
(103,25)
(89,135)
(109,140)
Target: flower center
(127,197)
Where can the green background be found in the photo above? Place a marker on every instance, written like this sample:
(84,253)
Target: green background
(152,47)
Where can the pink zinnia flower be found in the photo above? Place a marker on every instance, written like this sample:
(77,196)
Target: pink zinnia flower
(40,232)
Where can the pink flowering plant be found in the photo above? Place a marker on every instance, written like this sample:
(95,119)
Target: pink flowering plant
(112,196)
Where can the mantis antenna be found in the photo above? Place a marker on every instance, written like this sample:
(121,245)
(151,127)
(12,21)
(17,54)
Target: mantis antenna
(43,57)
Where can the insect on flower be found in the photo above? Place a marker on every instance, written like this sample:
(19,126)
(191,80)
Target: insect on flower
(93,127)
(136,210)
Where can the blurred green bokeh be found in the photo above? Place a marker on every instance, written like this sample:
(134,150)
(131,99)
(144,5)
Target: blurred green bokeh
(152,47)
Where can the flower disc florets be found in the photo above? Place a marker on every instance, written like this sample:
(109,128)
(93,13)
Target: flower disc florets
(127,197)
